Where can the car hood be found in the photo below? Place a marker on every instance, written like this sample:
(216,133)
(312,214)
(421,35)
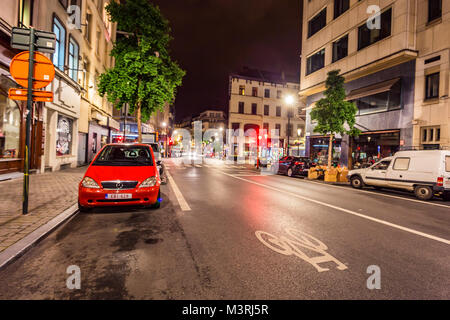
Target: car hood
(111,173)
(356,171)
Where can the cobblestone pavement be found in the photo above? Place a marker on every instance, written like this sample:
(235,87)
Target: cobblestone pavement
(50,194)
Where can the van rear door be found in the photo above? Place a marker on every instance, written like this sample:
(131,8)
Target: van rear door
(447,172)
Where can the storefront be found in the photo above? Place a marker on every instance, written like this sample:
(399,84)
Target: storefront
(318,146)
(370,147)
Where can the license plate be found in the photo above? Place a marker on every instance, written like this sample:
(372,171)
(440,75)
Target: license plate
(118,196)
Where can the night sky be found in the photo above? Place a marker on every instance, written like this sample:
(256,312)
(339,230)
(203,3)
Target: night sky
(213,38)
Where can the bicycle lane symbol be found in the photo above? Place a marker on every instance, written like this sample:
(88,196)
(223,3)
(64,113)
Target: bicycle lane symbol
(294,244)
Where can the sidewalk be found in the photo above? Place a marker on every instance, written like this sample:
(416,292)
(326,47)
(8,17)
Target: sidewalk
(50,194)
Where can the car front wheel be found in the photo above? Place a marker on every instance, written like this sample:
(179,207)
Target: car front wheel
(83,209)
(356,182)
(157,204)
(423,192)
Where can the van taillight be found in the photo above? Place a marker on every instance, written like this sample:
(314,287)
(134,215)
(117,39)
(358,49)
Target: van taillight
(440,181)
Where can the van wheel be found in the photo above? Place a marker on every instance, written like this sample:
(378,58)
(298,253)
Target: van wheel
(423,192)
(356,182)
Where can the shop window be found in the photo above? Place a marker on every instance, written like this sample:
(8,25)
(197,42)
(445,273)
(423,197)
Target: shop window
(401,164)
(434,9)
(340,48)
(25,13)
(241,107)
(340,6)
(278,112)
(60,45)
(317,23)
(315,62)
(242,90)
(74,51)
(367,36)
(267,93)
(266,110)
(432,86)
(64,136)
(254,92)
(254,108)
(9,128)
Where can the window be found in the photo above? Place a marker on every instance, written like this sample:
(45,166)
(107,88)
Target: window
(447,163)
(432,86)
(59,55)
(267,93)
(266,110)
(74,51)
(254,108)
(241,107)
(10,119)
(266,127)
(278,128)
(340,48)
(25,13)
(315,62)
(317,23)
(383,165)
(99,35)
(434,9)
(63,136)
(242,90)
(278,111)
(367,36)
(401,164)
(254,92)
(340,6)
(386,97)
(431,134)
(278,94)
(88,29)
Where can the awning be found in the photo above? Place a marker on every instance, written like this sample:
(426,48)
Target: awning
(371,90)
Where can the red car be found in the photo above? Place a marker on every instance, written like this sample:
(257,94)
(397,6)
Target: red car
(121,174)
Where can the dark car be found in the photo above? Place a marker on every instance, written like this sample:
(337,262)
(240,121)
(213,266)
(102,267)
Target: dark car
(294,166)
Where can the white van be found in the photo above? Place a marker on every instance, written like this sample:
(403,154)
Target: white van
(425,172)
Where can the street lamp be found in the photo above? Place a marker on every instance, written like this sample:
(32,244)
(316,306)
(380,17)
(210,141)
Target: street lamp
(289,100)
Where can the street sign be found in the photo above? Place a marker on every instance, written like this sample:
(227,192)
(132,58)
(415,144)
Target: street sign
(44,70)
(38,96)
(44,41)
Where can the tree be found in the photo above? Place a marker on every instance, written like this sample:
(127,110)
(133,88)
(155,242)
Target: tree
(144,75)
(332,113)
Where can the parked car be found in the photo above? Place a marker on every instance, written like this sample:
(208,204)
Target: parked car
(425,172)
(294,166)
(121,174)
(159,162)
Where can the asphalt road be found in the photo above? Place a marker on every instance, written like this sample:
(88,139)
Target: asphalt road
(226,232)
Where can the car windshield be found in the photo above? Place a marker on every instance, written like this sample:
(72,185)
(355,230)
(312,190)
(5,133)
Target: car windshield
(124,156)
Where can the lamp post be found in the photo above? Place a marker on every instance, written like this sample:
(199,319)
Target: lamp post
(289,100)
(299,134)
(164,125)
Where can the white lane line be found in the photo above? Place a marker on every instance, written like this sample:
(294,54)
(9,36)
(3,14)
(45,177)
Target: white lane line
(181,201)
(380,194)
(419,233)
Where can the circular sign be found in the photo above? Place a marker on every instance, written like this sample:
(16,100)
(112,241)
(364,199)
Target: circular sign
(44,70)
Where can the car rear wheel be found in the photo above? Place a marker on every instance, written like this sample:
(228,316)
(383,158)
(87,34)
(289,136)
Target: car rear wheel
(290,172)
(423,192)
(356,182)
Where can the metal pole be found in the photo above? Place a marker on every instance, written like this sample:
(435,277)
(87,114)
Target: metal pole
(125,125)
(26,169)
(289,130)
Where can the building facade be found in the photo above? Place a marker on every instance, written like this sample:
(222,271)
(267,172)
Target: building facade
(257,101)
(377,46)
(211,119)
(97,125)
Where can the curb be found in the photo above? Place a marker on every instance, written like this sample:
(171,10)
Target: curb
(20,247)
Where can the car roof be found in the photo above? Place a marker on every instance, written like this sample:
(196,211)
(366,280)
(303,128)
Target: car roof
(127,144)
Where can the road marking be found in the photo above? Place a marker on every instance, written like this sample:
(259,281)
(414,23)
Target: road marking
(290,246)
(393,225)
(181,201)
(381,194)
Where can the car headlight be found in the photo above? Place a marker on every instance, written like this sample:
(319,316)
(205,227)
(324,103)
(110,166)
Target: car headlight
(89,183)
(150,182)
